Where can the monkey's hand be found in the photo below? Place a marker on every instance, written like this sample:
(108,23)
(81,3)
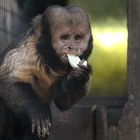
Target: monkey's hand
(72,87)
(21,98)
(80,75)
(41,122)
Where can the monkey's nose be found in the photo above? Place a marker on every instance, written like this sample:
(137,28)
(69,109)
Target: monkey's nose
(73,50)
(70,48)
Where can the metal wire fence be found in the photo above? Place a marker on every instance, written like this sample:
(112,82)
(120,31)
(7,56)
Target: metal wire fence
(16,15)
(9,17)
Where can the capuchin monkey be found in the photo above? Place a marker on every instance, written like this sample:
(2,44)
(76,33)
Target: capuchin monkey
(35,70)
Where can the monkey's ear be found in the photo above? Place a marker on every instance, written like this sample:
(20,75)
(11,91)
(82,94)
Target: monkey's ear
(36,20)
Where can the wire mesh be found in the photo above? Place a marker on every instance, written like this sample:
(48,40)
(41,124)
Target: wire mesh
(9,16)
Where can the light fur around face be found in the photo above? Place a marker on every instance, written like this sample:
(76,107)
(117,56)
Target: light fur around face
(24,64)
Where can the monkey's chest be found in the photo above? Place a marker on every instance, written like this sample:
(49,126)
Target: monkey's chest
(43,86)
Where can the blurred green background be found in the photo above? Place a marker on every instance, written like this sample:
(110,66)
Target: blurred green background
(109,56)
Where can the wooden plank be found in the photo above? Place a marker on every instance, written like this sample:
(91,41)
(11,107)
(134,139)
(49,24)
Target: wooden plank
(107,101)
(75,124)
(134,47)
(85,122)
(130,121)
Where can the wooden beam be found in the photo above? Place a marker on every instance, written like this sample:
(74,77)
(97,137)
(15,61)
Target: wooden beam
(130,122)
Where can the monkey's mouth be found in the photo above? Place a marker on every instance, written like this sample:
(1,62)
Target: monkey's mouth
(65,56)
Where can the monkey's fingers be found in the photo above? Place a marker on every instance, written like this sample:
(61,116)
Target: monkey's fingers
(43,129)
(36,127)
(86,69)
(83,66)
(38,124)
(75,73)
(82,61)
(33,126)
(46,128)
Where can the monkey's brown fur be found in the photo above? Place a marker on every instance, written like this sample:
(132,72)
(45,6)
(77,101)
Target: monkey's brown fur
(35,71)
(25,65)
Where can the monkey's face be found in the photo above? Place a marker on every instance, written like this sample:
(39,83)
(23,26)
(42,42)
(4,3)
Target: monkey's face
(70,30)
(70,40)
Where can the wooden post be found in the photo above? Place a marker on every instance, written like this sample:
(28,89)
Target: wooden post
(75,124)
(130,121)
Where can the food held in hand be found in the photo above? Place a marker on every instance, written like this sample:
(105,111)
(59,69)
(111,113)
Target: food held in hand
(75,60)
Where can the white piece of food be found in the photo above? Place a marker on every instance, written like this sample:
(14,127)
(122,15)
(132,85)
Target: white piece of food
(75,60)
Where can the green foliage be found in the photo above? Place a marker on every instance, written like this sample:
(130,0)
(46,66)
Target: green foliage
(101,9)
(109,66)
(109,61)
(109,57)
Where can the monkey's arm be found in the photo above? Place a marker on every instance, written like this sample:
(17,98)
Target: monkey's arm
(20,98)
(72,87)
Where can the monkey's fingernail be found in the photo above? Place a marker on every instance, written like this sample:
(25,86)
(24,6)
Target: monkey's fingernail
(33,126)
(49,124)
(81,61)
(38,132)
(43,129)
(48,131)
(44,132)
(33,130)
(48,127)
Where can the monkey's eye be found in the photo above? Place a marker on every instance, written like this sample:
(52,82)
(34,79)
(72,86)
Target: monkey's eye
(65,37)
(78,38)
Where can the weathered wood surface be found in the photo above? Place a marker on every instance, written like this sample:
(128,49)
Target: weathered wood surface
(130,121)
(16,17)
(93,118)
(75,124)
